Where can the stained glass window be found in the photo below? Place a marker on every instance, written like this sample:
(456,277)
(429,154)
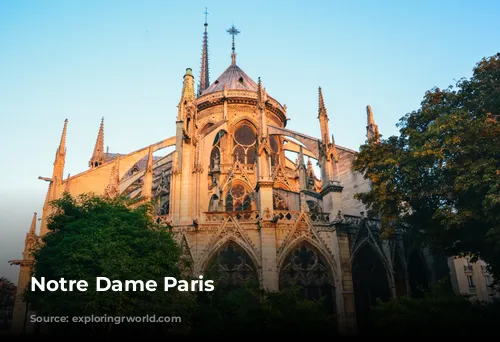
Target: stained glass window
(306,268)
(232,266)
(244,144)
(238,199)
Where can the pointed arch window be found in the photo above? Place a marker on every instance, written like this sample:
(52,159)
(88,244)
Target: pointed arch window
(238,199)
(215,153)
(274,141)
(245,140)
(305,267)
(232,266)
(279,203)
(314,207)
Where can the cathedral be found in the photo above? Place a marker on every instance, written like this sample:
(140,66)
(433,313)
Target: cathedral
(240,194)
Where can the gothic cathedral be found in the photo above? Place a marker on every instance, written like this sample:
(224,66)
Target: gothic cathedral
(231,188)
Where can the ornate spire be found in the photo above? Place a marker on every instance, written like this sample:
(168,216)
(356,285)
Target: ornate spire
(66,186)
(57,173)
(33,225)
(113,188)
(323,118)
(62,144)
(371,128)
(233,31)
(98,155)
(204,77)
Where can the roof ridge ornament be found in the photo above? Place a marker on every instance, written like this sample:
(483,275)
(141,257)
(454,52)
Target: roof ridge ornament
(233,31)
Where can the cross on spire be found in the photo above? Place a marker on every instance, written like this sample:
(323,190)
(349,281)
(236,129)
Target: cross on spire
(206,13)
(233,31)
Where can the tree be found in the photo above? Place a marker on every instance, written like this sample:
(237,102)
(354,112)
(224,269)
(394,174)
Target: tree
(91,237)
(440,178)
(250,311)
(7,293)
(438,313)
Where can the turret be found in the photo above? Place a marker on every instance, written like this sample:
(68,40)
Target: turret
(372,133)
(97,158)
(323,118)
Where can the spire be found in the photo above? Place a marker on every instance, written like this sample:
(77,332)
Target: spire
(204,77)
(233,31)
(113,188)
(372,133)
(62,144)
(323,118)
(147,183)
(66,187)
(57,173)
(261,105)
(33,225)
(98,155)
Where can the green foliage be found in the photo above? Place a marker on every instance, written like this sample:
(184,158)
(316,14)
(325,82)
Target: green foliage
(440,178)
(93,237)
(248,310)
(7,293)
(438,313)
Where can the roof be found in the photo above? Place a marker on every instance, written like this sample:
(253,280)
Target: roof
(233,78)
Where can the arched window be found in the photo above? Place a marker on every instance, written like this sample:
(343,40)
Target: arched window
(369,278)
(305,267)
(244,144)
(214,203)
(238,199)
(215,155)
(279,203)
(232,266)
(314,207)
(274,141)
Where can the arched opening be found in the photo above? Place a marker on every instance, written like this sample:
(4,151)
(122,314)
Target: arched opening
(214,203)
(231,267)
(314,207)
(244,143)
(275,142)
(279,203)
(305,267)
(399,275)
(417,274)
(370,282)
(238,199)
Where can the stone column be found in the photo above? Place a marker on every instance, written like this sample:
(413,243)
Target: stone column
(269,260)
(349,325)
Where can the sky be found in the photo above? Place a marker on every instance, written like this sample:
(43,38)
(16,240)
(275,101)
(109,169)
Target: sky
(124,61)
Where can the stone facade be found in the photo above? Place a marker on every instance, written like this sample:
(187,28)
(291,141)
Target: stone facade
(230,187)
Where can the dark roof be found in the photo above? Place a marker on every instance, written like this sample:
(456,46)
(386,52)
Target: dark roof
(233,78)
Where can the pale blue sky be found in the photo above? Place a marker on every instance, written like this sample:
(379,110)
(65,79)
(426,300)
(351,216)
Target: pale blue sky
(124,60)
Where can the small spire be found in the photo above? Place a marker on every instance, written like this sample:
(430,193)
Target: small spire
(66,187)
(233,31)
(98,154)
(33,225)
(62,143)
(204,74)
(372,132)
(301,157)
(323,118)
(321,103)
